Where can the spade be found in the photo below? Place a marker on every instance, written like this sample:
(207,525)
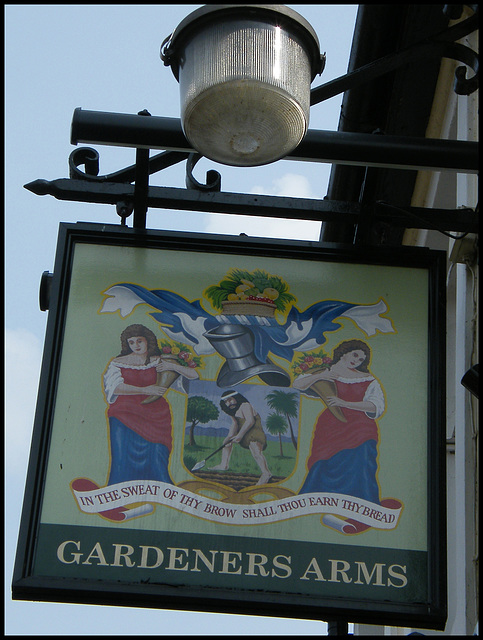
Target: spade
(201,464)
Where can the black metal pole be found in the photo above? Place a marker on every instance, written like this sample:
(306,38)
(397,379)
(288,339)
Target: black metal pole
(337,628)
(267,206)
(335,147)
(141,187)
(396,152)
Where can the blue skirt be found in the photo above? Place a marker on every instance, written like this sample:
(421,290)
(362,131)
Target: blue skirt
(351,472)
(134,458)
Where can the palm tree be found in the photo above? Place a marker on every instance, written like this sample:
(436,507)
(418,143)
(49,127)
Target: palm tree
(276,425)
(286,404)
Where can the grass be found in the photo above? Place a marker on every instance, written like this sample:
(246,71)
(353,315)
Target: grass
(241,460)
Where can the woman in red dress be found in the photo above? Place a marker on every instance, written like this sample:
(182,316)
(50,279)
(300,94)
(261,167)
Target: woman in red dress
(140,432)
(343,455)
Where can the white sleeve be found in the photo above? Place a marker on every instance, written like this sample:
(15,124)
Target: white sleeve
(112,378)
(375,394)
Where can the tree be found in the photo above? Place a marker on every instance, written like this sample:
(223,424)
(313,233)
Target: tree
(276,425)
(200,411)
(286,404)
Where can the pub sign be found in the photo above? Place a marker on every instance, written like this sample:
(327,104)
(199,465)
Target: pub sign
(239,425)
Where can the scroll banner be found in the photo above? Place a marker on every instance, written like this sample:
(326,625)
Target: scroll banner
(113,501)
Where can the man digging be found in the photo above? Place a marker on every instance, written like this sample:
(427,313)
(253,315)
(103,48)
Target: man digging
(246,430)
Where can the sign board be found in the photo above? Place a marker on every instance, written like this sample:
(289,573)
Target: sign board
(240,425)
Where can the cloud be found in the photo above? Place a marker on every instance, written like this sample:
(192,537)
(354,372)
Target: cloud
(23,354)
(289,185)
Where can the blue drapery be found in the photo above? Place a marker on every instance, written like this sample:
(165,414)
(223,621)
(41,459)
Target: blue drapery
(351,472)
(134,458)
(274,337)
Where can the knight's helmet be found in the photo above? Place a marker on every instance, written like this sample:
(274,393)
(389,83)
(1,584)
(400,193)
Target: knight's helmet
(236,344)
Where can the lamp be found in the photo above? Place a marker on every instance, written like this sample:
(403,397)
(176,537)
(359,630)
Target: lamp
(244,72)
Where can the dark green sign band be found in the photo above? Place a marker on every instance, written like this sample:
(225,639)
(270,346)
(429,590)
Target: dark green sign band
(229,562)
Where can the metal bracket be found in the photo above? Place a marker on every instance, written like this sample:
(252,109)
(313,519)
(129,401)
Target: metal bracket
(89,157)
(145,133)
(441,45)
(213,178)
(458,220)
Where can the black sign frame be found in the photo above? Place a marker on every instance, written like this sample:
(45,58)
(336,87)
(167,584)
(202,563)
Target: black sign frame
(430,613)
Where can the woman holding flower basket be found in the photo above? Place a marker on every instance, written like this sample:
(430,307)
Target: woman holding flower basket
(343,455)
(140,422)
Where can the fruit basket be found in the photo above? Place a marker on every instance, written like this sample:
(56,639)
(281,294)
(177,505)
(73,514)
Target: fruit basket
(249,308)
(250,293)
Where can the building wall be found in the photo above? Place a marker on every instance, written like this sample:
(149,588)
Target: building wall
(455,117)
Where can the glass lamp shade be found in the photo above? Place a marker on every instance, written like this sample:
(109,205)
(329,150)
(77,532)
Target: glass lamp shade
(244,86)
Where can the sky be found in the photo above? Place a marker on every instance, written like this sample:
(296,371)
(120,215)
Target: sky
(106,58)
